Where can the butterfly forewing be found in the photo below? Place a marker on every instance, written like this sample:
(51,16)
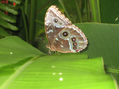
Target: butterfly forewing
(56,18)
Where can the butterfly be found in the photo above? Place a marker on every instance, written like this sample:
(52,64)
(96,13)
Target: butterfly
(62,35)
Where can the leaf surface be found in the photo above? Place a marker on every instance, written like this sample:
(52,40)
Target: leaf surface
(50,72)
(14,49)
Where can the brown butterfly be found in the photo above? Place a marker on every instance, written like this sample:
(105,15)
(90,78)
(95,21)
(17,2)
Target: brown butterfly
(62,35)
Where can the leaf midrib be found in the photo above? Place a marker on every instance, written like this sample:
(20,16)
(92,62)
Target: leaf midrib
(6,84)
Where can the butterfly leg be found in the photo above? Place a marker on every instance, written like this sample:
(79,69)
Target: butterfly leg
(57,53)
(49,52)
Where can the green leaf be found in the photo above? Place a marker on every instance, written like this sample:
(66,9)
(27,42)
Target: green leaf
(59,72)
(7,8)
(26,30)
(7,18)
(72,10)
(16,1)
(7,25)
(82,10)
(95,9)
(6,71)
(109,11)
(32,22)
(13,49)
(103,41)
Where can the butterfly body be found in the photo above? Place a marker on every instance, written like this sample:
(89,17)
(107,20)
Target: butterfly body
(62,35)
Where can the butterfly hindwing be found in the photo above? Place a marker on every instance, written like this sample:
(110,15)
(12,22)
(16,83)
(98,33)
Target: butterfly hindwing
(70,40)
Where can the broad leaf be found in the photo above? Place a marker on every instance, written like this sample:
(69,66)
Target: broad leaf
(103,41)
(13,49)
(59,72)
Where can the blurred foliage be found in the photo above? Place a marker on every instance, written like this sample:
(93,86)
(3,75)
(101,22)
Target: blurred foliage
(81,10)
(109,11)
(33,19)
(8,13)
(30,19)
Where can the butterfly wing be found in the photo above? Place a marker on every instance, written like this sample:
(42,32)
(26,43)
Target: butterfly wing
(61,34)
(70,40)
(56,18)
(55,21)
